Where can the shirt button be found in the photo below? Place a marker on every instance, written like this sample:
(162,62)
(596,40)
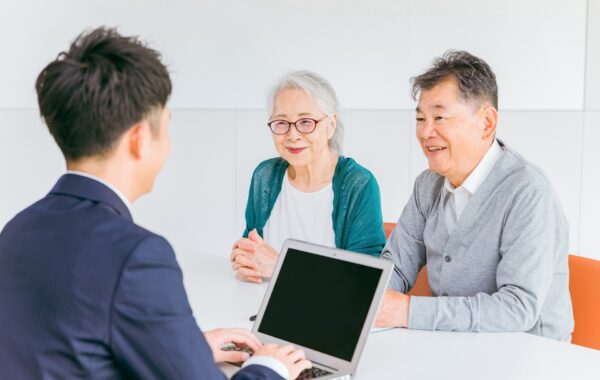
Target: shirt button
(447,259)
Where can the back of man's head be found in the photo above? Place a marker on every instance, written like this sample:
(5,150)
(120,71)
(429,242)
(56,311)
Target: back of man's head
(92,94)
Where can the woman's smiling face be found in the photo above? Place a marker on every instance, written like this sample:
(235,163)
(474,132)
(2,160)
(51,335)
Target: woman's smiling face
(301,149)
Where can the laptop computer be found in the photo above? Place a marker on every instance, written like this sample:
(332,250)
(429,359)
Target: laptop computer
(323,300)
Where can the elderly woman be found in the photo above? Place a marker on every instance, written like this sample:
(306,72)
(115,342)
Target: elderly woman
(311,192)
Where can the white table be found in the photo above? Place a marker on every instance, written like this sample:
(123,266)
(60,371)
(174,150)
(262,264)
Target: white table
(219,300)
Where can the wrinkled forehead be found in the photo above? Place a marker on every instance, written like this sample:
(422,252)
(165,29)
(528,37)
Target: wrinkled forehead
(434,107)
(442,97)
(294,102)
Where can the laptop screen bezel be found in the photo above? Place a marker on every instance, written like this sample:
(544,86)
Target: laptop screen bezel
(362,259)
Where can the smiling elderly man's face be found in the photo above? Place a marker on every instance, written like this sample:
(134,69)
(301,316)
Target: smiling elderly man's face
(451,131)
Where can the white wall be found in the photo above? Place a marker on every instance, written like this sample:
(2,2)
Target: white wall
(225,54)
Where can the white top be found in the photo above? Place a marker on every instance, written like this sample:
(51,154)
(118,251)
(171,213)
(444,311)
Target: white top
(114,189)
(300,215)
(457,198)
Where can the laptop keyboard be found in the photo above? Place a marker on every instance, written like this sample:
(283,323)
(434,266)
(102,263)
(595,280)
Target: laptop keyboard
(312,373)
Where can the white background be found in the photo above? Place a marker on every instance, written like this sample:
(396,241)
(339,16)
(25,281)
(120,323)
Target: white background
(224,55)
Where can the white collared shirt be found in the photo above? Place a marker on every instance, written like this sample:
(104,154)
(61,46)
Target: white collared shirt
(457,198)
(114,189)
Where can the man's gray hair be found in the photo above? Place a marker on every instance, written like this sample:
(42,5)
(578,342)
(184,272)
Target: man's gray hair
(475,79)
(321,91)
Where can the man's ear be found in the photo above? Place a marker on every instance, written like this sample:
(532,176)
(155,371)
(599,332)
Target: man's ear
(136,139)
(490,120)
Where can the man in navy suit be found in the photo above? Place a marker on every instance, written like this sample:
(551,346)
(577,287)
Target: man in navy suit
(84,291)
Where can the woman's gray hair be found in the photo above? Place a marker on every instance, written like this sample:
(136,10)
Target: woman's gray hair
(321,91)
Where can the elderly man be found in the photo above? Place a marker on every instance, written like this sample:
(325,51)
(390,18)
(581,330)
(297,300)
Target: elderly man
(487,223)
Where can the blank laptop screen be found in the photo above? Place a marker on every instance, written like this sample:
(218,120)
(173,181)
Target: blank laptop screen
(320,303)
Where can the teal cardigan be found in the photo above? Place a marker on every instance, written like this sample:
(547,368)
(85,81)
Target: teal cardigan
(357,220)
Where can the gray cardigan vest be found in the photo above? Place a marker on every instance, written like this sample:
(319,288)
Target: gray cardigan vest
(505,265)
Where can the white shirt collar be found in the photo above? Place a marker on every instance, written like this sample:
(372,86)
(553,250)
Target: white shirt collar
(114,189)
(480,173)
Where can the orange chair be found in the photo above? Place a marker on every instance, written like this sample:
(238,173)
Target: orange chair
(421,287)
(584,285)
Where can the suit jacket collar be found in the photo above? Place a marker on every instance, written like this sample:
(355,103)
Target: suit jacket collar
(86,188)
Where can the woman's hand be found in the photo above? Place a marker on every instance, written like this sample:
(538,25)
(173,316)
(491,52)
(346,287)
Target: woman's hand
(252,259)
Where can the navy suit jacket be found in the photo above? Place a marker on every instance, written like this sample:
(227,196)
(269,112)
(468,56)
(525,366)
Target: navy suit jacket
(86,293)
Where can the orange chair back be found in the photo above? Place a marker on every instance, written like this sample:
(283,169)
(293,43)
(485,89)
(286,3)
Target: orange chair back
(584,285)
(388,228)
(421,286)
